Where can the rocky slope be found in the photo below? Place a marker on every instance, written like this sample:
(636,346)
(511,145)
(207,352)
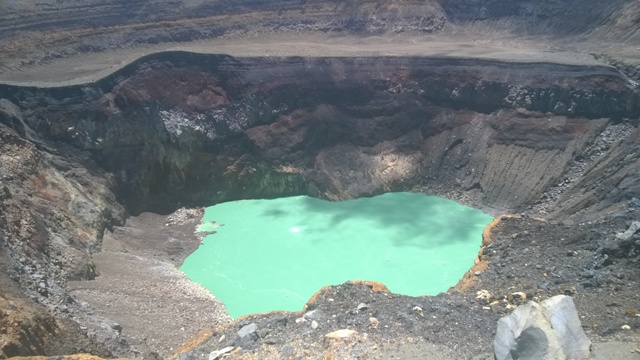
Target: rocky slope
(177,129)
(272,127)
(42,245)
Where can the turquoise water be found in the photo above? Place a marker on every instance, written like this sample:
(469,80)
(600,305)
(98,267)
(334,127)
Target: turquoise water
(275,254)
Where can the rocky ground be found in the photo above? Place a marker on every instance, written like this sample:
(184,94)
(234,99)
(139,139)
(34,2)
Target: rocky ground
(41,245)
(526,259)
(523,259)
(154,306)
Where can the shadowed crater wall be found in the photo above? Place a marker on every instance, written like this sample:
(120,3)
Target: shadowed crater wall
(182,129)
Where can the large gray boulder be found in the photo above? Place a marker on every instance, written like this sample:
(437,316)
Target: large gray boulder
(633,229)
(550,330)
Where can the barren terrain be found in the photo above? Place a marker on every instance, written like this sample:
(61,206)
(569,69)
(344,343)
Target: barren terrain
(113,113)
(87,68)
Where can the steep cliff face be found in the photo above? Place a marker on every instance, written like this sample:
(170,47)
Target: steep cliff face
(187,129)
(54,208)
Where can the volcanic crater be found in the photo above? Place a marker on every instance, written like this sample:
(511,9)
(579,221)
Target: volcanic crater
(104,169)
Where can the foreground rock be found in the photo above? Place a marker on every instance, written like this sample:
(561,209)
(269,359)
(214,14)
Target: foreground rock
(546,331)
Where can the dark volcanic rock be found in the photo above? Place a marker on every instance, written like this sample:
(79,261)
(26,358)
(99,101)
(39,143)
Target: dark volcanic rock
(185,129)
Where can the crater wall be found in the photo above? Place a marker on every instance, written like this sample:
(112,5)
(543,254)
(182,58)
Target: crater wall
(182,129)
(188,129)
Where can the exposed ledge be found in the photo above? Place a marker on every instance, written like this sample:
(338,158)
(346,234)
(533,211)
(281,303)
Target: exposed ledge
(93,67)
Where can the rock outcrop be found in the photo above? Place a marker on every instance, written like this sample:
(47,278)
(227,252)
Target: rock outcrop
(54,209)
(549,330)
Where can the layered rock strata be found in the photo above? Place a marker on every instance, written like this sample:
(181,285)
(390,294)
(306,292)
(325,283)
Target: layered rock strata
(185,129)
(182,129)
(38,31)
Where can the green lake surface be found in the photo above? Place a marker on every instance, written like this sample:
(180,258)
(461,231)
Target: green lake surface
(275,254)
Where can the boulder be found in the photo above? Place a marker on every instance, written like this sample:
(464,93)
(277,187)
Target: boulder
(550,330)
(215,355)
(635,226)
(247,330)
